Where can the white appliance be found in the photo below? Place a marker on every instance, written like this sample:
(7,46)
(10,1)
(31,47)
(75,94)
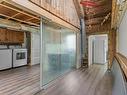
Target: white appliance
(5,59)
(19,57)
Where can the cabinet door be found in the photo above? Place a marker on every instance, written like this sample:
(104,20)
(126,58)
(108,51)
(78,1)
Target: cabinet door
(8,36)
(18,37)
(11,36)
(2,35)
(15,37)
(21,37)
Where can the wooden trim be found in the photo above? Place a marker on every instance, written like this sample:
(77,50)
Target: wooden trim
(78,10)
(97,33)
(112,47)
(122,60)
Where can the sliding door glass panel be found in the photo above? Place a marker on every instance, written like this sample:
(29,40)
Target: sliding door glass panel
(59,52)
(51,62)
(68,47)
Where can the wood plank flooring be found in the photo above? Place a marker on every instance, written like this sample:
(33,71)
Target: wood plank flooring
(25,81)
(92,81)
(20,81)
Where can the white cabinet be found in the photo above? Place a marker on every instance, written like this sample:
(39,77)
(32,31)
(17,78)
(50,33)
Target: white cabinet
(5,59)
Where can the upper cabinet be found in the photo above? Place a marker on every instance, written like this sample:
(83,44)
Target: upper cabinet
(2,35)
(64,9)
(11,37)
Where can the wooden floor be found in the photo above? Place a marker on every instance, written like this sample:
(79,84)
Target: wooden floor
(92,81)
(25,81)
(20,81)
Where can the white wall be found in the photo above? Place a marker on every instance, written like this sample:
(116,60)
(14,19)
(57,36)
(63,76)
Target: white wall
(100,48)
(99,51)
(122,36)
(35,48)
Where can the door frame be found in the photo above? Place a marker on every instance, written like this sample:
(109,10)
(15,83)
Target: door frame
(90,45)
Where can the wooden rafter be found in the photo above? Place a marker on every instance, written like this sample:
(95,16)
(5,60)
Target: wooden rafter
(11,17)
(19,11)
(29,19)
(96,18)
(10,12)
(20,20)
(78,8)
(105,19)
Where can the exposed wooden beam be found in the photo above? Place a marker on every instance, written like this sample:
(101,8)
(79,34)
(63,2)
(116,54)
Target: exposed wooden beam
(29,19)
(1,1)
(13,16)
(104,8)
(39,11)
(106,18)
(18,11)
(78,9)
(97,15)
(94,20)
(99,28)
(21,20)
(97,33)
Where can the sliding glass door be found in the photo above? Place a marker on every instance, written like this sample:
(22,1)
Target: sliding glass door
(68,50)
(58,52)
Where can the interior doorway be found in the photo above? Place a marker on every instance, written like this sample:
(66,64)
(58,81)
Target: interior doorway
(28,46)
(97,49)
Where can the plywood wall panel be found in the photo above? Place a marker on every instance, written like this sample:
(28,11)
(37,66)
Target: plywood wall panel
(11,37)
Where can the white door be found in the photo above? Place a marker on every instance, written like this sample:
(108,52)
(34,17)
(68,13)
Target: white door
(99,51)
(35,48)
(90,50)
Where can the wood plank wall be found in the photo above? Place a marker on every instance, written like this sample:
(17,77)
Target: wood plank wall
(112,47)
(64,9)
(118,11)
(11,37)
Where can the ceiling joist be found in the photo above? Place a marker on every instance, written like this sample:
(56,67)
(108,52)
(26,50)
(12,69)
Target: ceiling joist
(98,17)
(10,12)
(21,20)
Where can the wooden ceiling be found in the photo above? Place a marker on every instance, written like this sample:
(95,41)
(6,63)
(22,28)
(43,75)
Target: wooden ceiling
(10,12)
(98,18)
